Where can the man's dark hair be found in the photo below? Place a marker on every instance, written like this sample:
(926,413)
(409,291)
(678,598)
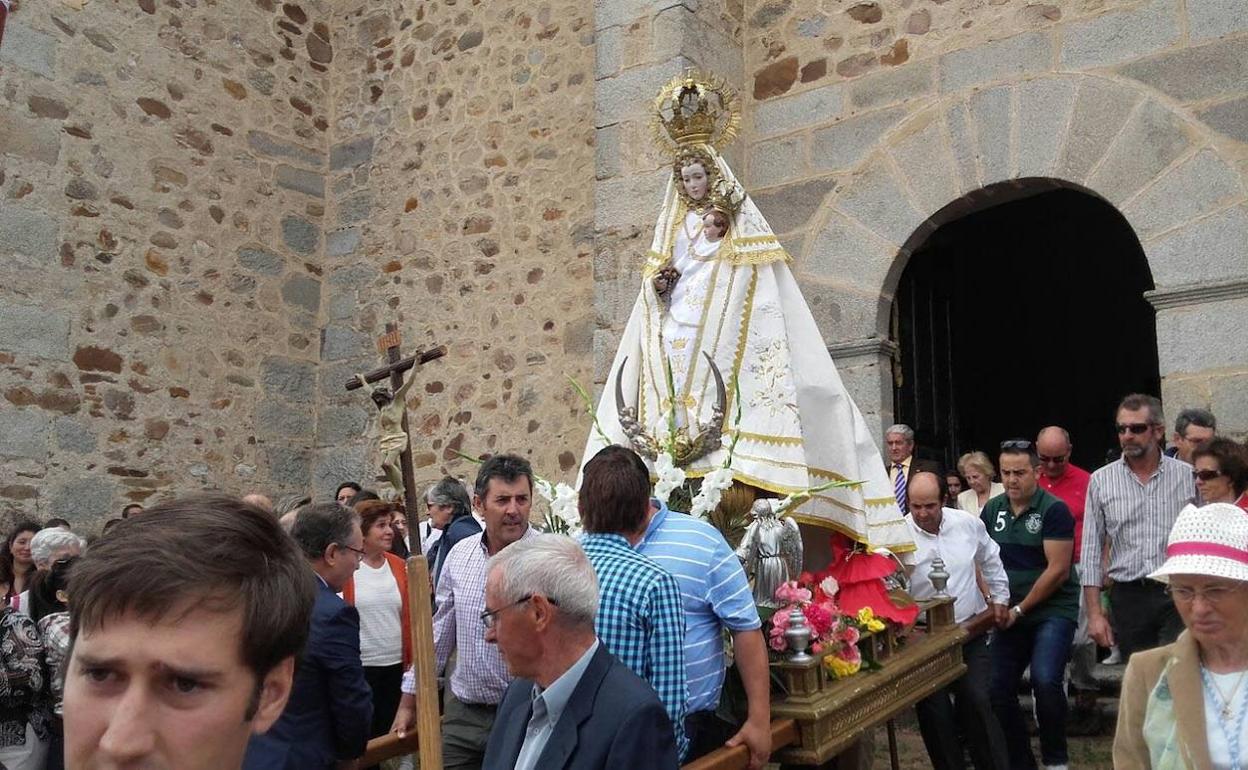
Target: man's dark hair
(364,496)
(1201,418)
(347,485)
(450,491)
(506,467)
(1021,447)
(615,492)
(1232,459)
(57,522)
(1138,401)
(202,552)
(110,524)
(319,525)
(130,510)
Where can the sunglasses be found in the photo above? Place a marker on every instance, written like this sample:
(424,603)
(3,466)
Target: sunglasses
(1135,428)
(1206,474)
(1016,443)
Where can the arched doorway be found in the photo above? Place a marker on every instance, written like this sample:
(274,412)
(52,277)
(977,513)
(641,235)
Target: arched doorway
(1022,314)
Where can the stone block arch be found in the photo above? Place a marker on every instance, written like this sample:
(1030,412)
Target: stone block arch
(1156,164)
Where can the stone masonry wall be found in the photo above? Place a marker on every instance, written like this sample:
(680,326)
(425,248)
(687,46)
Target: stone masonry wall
(162,192)
(460,187)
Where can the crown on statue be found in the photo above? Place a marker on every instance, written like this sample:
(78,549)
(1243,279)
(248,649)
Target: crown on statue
(726,196)
(696,108)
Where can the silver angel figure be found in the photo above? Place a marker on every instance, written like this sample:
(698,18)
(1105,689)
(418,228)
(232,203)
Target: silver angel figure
(771,551)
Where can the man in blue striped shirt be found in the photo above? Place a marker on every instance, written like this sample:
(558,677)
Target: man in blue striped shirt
(640,619)
(716,595)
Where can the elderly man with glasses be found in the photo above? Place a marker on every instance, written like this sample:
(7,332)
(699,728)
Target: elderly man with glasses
(1132,505)
(574,705)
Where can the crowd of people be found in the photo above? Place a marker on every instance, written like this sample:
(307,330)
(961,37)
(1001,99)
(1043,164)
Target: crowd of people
(1056,563)
(212,632)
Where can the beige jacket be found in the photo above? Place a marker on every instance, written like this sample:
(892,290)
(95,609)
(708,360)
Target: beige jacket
(1177,721)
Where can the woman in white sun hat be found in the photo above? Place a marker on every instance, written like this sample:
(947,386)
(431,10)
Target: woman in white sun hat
(1185,705)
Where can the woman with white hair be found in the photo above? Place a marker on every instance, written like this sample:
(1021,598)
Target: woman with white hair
(977,469)
(1185,705)
(46,547)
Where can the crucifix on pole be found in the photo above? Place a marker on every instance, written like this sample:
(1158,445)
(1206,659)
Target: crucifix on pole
(396,450)
(397,461)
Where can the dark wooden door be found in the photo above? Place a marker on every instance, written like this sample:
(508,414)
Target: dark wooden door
(1023,315)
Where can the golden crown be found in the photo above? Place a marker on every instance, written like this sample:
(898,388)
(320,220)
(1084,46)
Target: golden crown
(696,108)
(726,196)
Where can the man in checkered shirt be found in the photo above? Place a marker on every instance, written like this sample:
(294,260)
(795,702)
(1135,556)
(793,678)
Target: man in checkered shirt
(640,617)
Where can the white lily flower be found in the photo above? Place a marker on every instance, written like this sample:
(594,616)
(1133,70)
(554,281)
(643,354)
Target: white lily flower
(670,477)
(713,486)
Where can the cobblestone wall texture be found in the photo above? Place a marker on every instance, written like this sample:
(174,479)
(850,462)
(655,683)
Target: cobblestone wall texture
(461,189)
(161,207)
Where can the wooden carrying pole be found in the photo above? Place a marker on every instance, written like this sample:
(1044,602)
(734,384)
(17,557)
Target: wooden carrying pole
(428,720)
(426,739)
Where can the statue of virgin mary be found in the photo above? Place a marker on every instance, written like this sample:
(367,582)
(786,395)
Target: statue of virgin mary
(720,339)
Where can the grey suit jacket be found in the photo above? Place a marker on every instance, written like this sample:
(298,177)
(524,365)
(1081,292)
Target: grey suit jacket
(613,721)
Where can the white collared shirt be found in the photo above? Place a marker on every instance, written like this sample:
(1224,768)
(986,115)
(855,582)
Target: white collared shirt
(963,543)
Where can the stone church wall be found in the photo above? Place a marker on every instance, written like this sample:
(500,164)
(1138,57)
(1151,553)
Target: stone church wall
(163,169)
(865,119)
(461,206)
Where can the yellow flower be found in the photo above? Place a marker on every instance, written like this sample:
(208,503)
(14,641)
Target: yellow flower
(868,620)
(840,668)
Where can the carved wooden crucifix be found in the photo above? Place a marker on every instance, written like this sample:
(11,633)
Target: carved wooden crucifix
(390,344)
(426,738)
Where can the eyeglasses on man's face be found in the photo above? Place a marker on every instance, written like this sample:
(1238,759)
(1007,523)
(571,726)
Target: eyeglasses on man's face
(1134,428)
(359,553)
(490,617)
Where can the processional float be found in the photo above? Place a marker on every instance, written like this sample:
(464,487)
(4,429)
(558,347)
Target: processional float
(723,383)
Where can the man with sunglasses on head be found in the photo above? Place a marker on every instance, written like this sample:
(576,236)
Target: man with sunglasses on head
(1035,532)
(1131,507)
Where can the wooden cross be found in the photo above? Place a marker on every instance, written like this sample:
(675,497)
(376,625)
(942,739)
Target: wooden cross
(427,736)
(389,343)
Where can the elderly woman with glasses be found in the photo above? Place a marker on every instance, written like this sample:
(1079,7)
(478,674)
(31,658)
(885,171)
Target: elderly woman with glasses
(1185,705)
(977,469)
(1221,472)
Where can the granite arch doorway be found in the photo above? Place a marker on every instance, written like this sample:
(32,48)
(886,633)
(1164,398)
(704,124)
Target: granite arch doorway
(1155,168)
(1024,308)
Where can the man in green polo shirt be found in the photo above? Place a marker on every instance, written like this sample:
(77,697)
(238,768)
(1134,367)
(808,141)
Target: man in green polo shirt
(1036,534)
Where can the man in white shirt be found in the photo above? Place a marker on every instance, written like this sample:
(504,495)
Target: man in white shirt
(961,541)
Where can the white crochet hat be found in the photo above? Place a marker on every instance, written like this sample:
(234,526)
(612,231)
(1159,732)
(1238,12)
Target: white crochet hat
(1212,541)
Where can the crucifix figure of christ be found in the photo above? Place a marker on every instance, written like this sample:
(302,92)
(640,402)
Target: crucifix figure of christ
(391,403)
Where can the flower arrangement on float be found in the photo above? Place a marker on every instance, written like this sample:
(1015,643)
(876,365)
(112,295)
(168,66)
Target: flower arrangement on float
(853,614)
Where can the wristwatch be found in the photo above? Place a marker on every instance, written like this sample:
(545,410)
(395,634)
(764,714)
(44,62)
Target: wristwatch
(1017,610)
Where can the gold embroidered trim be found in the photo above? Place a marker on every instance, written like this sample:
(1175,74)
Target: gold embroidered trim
(763,438)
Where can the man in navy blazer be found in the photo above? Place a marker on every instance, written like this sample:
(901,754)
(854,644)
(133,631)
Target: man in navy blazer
(573,705)
(330,711)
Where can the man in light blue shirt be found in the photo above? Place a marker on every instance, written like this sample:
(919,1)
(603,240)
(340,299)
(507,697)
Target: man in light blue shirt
(716,595)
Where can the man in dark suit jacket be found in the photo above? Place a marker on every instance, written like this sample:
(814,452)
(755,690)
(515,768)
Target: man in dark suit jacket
(899,446)
(573,705)
(330,711)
